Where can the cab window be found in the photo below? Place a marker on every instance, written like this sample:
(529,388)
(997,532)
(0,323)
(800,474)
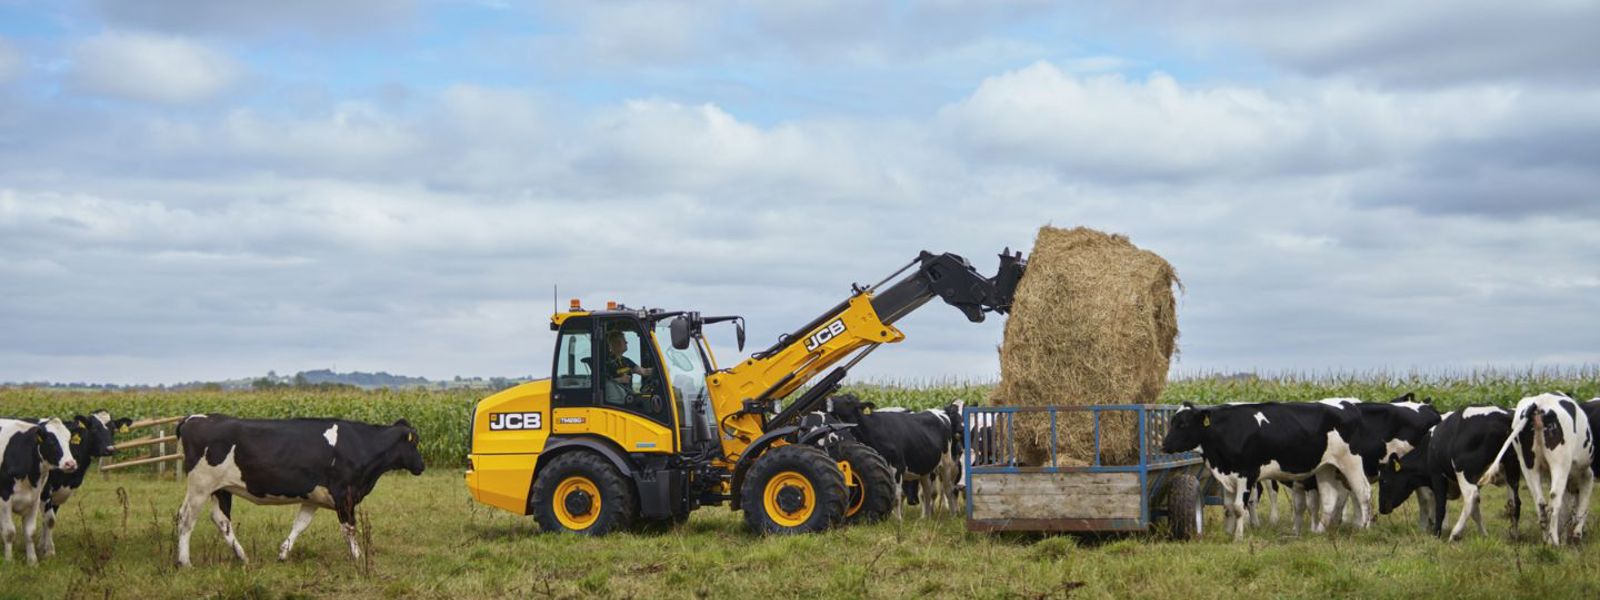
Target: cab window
(574,377)
(630,378)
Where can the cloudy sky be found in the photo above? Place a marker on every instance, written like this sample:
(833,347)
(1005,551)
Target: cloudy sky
(202,190)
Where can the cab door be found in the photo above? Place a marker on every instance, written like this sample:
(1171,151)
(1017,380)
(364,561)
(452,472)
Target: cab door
(608,383)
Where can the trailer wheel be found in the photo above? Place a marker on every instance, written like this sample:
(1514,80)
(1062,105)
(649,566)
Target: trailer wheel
(793,489)
(869,484)
(580,492)
(1184,504)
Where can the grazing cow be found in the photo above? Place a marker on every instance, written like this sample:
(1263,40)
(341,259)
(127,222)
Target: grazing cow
(1245,443)
(1551,437)
(1449,464)
(948,473)
(30,452)
(915,444)
(1388,429)
(316,463)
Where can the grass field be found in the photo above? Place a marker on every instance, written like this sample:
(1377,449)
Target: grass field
(430,541)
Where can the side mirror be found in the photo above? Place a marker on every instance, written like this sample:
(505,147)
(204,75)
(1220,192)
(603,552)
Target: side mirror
(680,333)
(738,332)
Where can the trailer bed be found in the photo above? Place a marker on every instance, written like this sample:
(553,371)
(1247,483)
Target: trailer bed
(1004,493)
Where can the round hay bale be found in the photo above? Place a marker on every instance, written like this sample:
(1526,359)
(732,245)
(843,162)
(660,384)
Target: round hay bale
(1094,322)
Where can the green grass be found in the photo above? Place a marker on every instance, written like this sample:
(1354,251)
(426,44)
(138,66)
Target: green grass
(429,540)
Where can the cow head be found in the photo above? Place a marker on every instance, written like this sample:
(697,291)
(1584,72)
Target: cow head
(958,426)
(115,425)
(407,454)
(55,442)
(90,437)
(849,408)
(1400,477)
(1187,428)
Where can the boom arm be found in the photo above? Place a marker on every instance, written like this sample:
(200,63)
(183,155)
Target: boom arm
(743,394)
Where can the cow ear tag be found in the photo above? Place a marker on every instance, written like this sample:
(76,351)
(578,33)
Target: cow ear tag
(1205,421)
(411,437)
(866,410)
(77,439)
(1396,465)
(122,429)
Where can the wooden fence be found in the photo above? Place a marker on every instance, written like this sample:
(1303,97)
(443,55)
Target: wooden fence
(163,447)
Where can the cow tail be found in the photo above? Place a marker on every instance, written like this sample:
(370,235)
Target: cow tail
(1517,423)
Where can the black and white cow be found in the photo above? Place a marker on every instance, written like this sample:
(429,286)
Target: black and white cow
(1388,429)
(1449,463)
(92,437)
(1245,443)
(316,463)
(30,452)
(1551,438)
(915,444)
(948,473)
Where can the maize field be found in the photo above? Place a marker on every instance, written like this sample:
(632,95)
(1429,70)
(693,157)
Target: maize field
(443,417)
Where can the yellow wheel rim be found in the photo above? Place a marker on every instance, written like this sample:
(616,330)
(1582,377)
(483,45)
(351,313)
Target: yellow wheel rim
(789,480)
(854,488)
(569,487)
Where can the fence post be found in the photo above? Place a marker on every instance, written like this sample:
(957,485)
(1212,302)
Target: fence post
(161,450)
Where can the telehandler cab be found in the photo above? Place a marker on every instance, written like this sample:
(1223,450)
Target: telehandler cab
(638,424)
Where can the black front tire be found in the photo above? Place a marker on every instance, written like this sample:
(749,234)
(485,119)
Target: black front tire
(617,506)
(802,477)
(873,497)
(1184,508)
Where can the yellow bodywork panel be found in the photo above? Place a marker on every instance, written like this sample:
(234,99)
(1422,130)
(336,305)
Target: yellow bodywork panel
(511,429)
(502,480)
(630,431)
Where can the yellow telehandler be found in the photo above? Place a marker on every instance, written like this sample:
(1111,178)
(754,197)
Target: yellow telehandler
(639,425)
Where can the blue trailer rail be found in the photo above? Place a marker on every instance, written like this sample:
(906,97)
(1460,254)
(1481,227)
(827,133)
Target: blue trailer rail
(1013,485)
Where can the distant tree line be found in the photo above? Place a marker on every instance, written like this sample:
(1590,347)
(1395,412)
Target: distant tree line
(319,379)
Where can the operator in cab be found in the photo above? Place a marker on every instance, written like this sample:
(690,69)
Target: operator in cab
(619,367)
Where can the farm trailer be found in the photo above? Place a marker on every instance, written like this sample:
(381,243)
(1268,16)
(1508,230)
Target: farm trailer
(1004,494)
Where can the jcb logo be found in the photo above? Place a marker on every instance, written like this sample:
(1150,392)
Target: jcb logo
(514,421)
(826,333)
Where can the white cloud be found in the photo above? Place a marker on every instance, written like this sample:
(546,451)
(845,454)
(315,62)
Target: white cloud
(1425,43)
(1109,126)
(423,237)
(152,68)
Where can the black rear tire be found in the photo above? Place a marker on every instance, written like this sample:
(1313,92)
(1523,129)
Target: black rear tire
(793,489)
(1184,508)
(581,512)
(872,498)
